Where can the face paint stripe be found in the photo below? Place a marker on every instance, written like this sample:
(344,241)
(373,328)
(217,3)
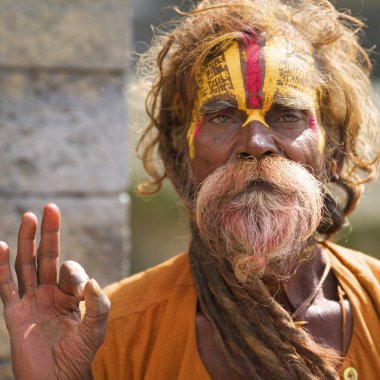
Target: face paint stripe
(253,75)
(272,53)
(198,129)
(232,57)
(321,134)
(190,139)
(256,115)
(313,125)
(321,139)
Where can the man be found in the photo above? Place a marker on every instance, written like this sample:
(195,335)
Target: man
(261,112)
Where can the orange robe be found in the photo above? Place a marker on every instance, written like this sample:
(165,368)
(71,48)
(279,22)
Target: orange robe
(151,330)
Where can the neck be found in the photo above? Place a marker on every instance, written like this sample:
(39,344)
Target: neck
(307,278)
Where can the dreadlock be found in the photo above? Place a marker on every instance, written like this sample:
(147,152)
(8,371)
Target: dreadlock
(266,343)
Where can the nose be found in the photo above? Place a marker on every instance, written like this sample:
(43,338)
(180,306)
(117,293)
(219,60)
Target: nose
(256,141)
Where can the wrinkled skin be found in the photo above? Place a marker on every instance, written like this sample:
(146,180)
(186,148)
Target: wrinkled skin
(48,339)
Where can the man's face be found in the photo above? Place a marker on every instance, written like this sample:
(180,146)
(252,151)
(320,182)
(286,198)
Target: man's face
(256,98)
(256,102)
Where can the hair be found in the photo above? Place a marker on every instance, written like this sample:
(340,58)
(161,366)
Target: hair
(245,238)
(346,108)
(265,337)
(256,335)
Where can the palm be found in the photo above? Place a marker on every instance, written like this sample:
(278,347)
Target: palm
(50,330)
(48,338)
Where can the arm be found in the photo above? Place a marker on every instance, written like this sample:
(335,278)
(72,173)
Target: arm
(48,338)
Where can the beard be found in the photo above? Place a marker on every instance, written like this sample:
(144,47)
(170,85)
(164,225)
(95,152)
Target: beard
(259,215)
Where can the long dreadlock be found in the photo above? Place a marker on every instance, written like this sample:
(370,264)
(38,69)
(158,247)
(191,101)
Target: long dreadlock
(266,343)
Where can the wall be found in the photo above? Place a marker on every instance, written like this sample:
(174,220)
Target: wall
(62,128)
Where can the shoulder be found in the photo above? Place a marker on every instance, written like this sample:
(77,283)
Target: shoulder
(356,261)
(152,287)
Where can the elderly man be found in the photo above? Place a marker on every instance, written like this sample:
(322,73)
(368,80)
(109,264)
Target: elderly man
(261,113)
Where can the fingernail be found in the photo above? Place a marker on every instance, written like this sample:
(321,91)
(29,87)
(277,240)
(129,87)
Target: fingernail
(3,244)
(51,205)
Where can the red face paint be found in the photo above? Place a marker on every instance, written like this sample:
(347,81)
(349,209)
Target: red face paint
(248,37)
(313,124)
(198,129)
(254,79)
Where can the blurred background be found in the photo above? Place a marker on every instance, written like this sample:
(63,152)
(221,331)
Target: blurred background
(159,227)
(65,135)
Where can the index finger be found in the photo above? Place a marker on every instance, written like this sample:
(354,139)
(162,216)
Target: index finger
(25,264)
(48,249)
(8,289)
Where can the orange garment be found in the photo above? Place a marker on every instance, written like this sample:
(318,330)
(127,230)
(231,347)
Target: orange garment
(359,276)
(151,327)
(151,331)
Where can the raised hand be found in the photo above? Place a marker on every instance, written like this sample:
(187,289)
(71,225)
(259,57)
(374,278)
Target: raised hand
(48,339)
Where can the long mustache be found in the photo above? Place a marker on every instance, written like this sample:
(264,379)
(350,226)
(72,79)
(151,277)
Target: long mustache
(274,173)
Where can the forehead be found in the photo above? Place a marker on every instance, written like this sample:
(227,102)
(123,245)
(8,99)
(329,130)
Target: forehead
(258,72)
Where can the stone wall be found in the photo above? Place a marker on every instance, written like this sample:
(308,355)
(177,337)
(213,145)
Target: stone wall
(62,128)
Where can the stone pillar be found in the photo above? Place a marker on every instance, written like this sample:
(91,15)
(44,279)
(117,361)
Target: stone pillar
(63,129)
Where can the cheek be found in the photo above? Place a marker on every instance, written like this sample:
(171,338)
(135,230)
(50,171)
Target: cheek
(320,132)
(212,150)
(201,167)
(213,140)
(306,150)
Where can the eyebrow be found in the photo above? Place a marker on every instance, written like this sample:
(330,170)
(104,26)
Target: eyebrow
(218,104)
(293,103)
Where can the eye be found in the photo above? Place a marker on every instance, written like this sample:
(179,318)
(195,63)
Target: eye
(222,119)
(289,118)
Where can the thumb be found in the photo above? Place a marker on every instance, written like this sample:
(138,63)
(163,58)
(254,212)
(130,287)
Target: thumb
(94,323)
(72,279)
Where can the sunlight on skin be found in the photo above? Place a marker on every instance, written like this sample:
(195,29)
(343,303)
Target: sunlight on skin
(29,330)
(257,75)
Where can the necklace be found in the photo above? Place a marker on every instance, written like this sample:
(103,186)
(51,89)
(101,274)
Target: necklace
(309,300)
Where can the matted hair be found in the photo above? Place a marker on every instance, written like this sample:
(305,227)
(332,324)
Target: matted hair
(346,107)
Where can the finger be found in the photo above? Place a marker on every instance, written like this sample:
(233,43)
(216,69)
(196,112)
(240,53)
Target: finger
(26,253)
(8,289)
(48,249)
(72,279)
(93,326)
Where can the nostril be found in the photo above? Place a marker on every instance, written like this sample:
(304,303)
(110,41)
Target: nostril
(245,156)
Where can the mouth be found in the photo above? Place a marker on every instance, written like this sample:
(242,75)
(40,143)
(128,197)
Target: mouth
(261,185)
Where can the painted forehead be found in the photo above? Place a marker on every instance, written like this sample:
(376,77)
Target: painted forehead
(259,73)
(253,75)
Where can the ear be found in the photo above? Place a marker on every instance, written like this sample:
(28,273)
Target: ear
(336,165)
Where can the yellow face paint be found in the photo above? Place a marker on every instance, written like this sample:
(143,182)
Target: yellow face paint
(213,81)
(277,72)
(321,139)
